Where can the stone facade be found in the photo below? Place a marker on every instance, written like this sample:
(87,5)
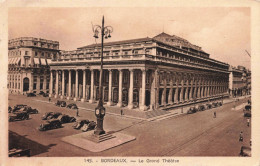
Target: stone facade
(147,73)
(28,64)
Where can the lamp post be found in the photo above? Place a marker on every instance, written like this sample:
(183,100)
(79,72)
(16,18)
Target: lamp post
(100,111)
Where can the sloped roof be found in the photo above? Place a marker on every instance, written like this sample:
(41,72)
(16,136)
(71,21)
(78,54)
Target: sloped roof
(118,42)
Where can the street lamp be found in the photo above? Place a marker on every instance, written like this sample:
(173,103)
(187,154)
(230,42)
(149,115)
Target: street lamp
(100,111)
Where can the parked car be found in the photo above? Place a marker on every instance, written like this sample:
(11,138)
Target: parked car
(245,151)
(50,124)
(9,109)
(201,108)
(60,103)
(31,95)
(29,110)
(72,106)
(18,116)
(79,123)
(248,107)
(17,107)
(208,106)
(41,93)
(66,118)
(90,126)
(45,95)
(214,104)
(192,110)
(51,115)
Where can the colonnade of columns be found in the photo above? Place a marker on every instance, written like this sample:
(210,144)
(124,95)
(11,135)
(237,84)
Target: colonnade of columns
(177,87)
(163,89)
(57,86)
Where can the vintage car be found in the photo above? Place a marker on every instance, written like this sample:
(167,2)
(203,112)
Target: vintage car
(60,103)
(72,106)
(245,151)
(220,103)
(29,110)
(248,107)
(9,109)
(66,118)
(90,126)
(18,107)
(45,95)
(51,115)
(18,116)
(50,124)
(192,110)
(215,104)
(31,95)
(201,108)
(41,93)
(208,106)
(79,123)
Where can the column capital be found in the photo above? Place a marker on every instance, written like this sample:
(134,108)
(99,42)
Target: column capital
(131,70)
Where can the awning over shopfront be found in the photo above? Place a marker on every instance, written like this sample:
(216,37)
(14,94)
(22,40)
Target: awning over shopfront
(43,62)
(36,61)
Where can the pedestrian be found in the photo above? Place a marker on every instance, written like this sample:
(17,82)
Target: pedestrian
(250,142)
(121,112)
(215,114)
(77,112)
(248,122)
(49,99)
(241,137)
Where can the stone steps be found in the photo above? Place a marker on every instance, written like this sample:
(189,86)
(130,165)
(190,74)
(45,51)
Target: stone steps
(100,138)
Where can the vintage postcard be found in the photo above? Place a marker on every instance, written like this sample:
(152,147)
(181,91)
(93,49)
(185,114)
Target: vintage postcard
(130,83)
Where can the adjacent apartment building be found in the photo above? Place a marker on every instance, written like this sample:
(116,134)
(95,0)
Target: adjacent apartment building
(28,64)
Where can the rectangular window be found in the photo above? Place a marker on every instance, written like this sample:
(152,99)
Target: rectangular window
(147,80)
(126,52)
(26,52)
(41,82)
(34,82)
(125,76)
(47,82)
(36,54)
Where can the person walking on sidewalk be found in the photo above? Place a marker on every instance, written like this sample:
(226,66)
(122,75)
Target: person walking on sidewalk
(121,112)
(241,137)
(248,122)
(215,114)
(49,99)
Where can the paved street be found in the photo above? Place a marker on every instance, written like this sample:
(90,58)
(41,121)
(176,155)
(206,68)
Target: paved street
(196,134)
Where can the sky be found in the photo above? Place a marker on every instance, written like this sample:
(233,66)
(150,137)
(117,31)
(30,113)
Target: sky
(223,32)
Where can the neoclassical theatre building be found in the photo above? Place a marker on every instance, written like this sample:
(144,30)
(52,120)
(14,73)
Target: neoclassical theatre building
(28,64)
(163,72)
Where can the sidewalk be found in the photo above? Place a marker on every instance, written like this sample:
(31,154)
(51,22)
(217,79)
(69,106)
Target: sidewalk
(127,113)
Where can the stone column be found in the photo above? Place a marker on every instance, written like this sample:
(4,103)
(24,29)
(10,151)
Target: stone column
(62,84)
(191,89)
(38,83)
(202,89)
(199,87)
(119,104)
(57,84)
(182,86)
(171,88)
(51,83)
(131,88)
(157,87)
(91,100)
(76,86)
(44,82)
(164,89)
(143,106)
(84,86)
(69,89)
(109,103)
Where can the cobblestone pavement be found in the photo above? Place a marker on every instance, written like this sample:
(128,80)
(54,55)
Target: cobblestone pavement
(196,134)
